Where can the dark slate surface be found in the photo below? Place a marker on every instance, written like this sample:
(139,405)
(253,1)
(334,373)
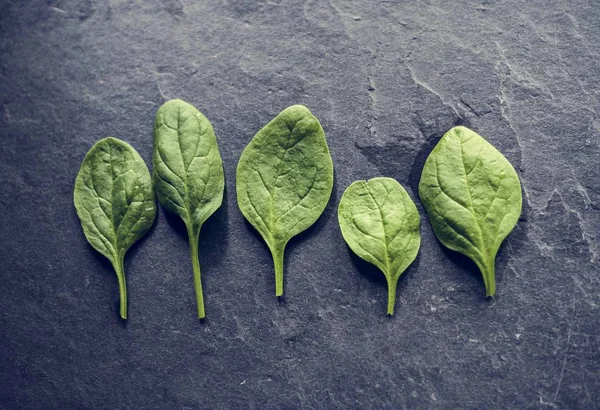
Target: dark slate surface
(386,79)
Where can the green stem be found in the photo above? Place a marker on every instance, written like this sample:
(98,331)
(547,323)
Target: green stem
(120,270)
(278,262)
(196,266)
(391,295)
(489,277)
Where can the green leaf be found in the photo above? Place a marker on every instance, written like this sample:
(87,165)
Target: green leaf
(284,180)
(472,195)
(115,202)
(188,173)
(380,223)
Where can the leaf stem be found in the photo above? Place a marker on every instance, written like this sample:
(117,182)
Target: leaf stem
(489,278)
(392,283)
(196,266)
(120,270)
(278,262)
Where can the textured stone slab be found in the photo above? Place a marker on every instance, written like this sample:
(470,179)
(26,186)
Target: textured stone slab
(386,79)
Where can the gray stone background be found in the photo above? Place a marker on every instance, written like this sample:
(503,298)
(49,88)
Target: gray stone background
(386,79)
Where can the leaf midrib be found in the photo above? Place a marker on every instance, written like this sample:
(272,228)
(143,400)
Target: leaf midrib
(277,173)
(468,187)
(116,247)
(468,208)
(387,256)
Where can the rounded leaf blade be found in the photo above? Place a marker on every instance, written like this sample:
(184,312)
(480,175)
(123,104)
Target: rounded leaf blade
(284,180)
(472,195)
(115,202)
(381,224)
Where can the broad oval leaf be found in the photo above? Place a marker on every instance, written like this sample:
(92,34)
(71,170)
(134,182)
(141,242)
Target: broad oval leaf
(381,224)
(284,180)
(472,196)
(187,172)
(115,202)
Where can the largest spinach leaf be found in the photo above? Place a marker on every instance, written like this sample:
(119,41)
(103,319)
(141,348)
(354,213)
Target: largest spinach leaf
(472,195)
(188,173)
(284,180)
(115,202)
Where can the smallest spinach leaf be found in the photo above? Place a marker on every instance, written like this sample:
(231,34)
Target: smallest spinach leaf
(381,224)
(115,202)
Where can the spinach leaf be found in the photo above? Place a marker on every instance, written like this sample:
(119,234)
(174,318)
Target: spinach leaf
(188,173)
(115,202)
(472,195)
(284,180)
(380,223)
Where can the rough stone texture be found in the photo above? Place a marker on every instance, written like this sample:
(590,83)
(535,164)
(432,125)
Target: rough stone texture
(386,79)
